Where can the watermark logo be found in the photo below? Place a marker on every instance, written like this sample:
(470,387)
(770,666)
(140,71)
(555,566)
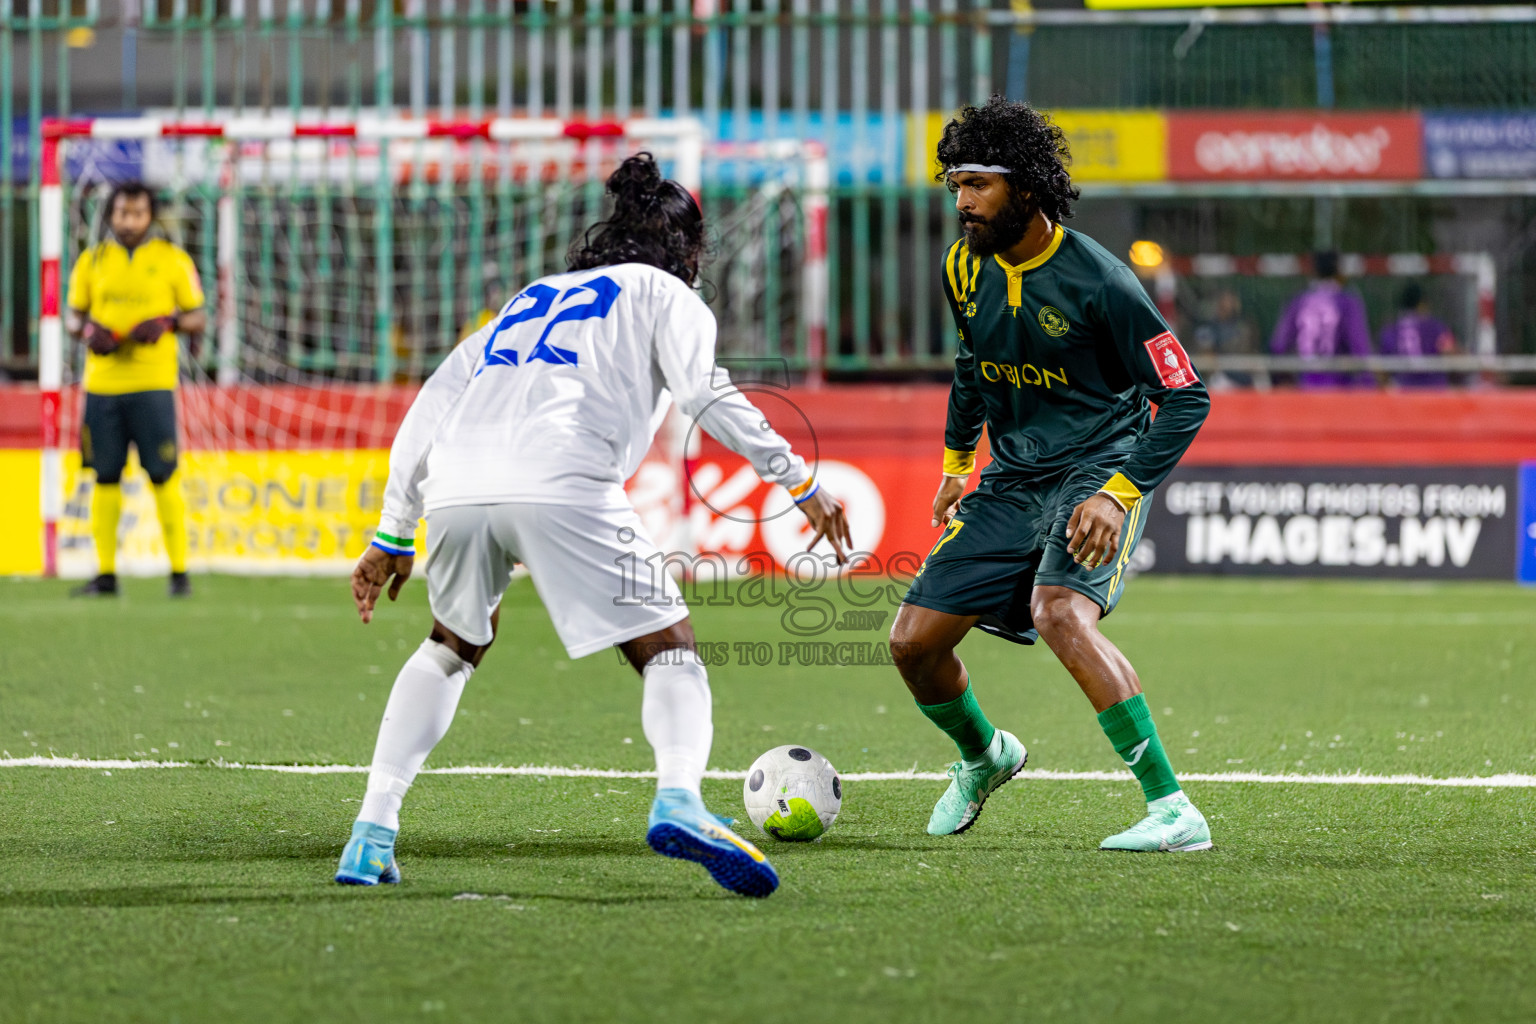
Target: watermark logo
(736,541)
(783,653)
(812,593)
(694,496)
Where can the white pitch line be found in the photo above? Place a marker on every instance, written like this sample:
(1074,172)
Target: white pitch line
(1507,781)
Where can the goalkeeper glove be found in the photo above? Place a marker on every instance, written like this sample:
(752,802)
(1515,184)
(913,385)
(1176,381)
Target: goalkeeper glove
(98,339)
(149,331)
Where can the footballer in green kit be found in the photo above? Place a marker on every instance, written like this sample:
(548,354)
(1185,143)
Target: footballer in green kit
(1061,356)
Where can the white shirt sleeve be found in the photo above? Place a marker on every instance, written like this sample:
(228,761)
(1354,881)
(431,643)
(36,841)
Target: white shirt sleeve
(685,350)
(408,455)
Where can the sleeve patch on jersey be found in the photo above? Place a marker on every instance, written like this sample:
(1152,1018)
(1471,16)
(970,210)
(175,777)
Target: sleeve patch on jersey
(1171,361)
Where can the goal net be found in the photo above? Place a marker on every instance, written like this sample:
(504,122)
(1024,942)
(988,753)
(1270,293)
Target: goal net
(341,264)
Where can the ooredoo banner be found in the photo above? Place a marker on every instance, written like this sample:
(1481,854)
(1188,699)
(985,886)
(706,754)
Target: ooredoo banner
(1442,522)
(1279,146)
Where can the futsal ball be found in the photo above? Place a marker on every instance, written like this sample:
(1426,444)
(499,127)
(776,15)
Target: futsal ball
(793,793)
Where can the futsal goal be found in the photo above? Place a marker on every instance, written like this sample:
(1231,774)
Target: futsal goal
(342,261)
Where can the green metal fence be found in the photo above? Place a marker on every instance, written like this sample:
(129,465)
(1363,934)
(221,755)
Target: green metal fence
(860,65)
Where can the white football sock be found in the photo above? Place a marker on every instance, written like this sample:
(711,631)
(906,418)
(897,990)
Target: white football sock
(420,709)
(676,716)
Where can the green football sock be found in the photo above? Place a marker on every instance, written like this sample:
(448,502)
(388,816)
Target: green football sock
(1130,728)
(962,721)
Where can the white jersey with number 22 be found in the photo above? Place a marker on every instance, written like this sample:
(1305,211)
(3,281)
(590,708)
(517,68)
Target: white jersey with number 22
(557,399)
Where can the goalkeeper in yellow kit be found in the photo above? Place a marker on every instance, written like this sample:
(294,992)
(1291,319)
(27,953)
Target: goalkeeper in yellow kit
(128,296)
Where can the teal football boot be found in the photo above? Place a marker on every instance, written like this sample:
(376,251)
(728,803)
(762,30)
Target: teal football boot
(680,827)
(369,857)
(1172,825)
(959,807)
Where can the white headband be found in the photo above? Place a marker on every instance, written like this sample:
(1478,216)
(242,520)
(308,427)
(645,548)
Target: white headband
(982,168)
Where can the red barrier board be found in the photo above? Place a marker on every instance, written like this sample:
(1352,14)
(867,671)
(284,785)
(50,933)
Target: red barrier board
(1206,146)
(1485,427)
(878,447)
(1271,428)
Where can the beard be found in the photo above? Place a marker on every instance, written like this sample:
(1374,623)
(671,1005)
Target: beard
(989,236)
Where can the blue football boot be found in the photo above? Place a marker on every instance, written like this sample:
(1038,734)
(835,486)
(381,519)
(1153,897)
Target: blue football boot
(680,827)
(369,857)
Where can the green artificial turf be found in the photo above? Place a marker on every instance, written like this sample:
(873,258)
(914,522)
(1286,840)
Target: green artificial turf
(204,893)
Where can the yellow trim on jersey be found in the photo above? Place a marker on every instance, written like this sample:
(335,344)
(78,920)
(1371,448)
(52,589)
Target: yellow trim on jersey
(951,261)
(1125,493)
(795,492)
(962,269)
(1038,261)
(120,290)
(1125,550)
(1015,284)
(959,463)
(1016,273)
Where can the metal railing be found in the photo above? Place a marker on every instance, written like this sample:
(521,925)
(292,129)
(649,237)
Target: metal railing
(561,57)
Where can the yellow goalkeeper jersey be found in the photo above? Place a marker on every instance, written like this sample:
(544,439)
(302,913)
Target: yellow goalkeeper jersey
(120,290)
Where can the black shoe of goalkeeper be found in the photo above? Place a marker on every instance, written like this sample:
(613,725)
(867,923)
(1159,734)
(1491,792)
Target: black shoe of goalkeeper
(181,586)
(104,585)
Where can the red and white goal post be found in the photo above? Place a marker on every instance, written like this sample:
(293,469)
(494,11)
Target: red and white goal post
(332,421)
(252,411)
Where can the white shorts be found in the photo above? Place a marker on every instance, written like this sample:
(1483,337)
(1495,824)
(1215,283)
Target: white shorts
(588,565)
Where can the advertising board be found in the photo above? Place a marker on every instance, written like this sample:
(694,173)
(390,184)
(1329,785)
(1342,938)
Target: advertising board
(1434,522)
(1312,145)
(1480,145)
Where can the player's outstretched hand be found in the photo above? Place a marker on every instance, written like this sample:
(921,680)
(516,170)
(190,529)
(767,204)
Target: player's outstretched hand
(1093,532)
(374,569)
(827,516)
(98,339)
(948,499)
(149,331)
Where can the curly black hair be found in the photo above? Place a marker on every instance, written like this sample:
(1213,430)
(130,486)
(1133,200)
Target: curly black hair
(132,190)
(1015,135)
(655,221)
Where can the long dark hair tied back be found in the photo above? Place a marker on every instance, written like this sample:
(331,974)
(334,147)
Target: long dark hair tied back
(654,221)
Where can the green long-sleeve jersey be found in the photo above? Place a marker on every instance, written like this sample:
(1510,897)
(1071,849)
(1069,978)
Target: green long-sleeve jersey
(1062,357)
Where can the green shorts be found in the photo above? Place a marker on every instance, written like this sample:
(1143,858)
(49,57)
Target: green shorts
(1008,536)
(147,418)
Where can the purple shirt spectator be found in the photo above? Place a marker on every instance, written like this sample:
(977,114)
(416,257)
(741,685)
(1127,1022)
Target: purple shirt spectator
(1325,320)
(1417,334)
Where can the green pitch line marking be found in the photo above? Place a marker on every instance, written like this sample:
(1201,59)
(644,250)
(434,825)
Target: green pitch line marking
(1507,781)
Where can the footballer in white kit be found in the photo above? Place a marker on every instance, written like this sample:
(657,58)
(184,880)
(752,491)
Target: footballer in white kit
(516,450)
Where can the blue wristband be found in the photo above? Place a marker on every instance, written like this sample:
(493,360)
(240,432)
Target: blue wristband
(807,495)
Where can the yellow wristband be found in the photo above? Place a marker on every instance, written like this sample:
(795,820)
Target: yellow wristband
(1125,493)
(958,463)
